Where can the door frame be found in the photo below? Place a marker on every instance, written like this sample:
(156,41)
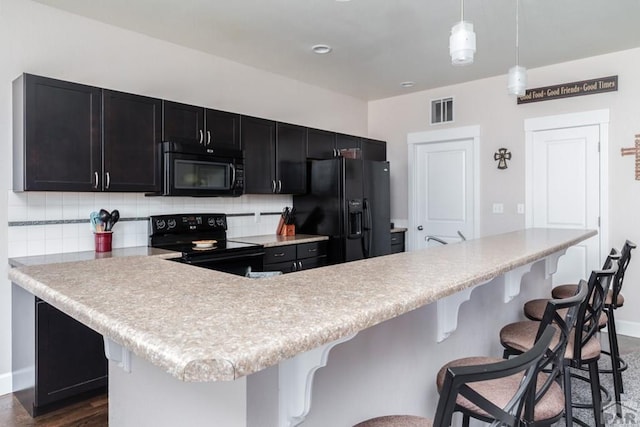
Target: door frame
(561,121)
(414,140)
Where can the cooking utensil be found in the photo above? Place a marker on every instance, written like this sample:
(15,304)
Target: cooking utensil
(94,221)
(114,217)
(104,216)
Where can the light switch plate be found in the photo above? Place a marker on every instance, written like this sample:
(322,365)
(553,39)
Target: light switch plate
(498,208)
(520,208)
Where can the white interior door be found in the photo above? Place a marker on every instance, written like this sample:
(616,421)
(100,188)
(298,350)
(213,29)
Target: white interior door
(445,188)
(566,192)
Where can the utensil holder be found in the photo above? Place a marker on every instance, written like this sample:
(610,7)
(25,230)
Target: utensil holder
(289,230)
(103,241)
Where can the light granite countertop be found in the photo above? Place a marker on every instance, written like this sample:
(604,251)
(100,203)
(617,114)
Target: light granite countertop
(270,240)
(204,325)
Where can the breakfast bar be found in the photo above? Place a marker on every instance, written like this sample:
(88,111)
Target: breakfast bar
(191,346)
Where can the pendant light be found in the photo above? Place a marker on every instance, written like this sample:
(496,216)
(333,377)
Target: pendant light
(517,74)
(462,42)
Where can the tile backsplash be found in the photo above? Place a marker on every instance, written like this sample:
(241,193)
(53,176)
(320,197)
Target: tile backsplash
(54,222)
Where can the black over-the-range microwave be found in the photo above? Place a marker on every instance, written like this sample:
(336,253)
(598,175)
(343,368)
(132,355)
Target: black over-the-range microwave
(190,170)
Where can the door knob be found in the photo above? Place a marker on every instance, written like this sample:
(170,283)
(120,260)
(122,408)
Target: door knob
(420,228)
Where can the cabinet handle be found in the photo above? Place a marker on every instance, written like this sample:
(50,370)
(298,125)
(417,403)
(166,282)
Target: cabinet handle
(97,180)
(208,137)
(299,265)
(201,137)
(313,250)
(294,266)
(279,255)
(335,152)
(279,186)
(108,181)
(273,185)
(394,239)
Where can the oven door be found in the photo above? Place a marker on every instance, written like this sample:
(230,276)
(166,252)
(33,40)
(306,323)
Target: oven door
(188,174)
(238,264)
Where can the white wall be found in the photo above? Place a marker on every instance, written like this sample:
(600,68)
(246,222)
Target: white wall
(41,40)
(486,103)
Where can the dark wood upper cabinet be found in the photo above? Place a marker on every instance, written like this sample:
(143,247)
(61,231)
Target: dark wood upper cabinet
(373,149)
(132,136)
(291,159)
(56,135)
(205,127)
(275,157)
(259,144)
(370,149)
(321,144)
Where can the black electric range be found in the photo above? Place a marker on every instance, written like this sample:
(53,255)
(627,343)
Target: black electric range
(202,241)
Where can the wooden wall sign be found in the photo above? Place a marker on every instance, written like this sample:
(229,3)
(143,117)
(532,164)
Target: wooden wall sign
(567,90)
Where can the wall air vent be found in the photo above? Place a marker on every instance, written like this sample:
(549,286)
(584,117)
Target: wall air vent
(442,110)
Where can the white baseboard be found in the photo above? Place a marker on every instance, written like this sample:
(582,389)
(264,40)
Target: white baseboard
(630,329)
(6,383)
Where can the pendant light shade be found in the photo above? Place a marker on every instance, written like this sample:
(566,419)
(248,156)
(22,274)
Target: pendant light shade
(517,84)
(517,80)
(462,42)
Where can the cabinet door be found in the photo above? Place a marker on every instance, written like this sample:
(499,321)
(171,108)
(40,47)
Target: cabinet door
(182,123)
(347,141)
(57,141)
(132,130)
(373,149)
(69,357)
(258,138)
(223,130)
(321,144)
(291,159)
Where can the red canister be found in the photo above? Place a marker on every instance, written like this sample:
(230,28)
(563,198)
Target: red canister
(103,241)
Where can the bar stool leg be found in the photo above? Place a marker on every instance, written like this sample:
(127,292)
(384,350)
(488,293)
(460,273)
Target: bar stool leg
(566,377)
(594,377)
(615,361)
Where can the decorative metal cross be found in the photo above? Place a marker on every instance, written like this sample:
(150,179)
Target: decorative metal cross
(502,155)
(634,151)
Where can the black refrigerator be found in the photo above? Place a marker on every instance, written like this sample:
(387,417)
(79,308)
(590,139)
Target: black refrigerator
(347,200)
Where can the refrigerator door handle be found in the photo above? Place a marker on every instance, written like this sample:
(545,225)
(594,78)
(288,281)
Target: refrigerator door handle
(368,229)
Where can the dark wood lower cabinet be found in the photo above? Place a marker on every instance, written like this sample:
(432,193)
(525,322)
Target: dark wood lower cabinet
(397,242)
(56,359)
(290,258)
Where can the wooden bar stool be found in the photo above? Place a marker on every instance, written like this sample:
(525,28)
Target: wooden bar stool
(613,300)
(583,347)
(501,390)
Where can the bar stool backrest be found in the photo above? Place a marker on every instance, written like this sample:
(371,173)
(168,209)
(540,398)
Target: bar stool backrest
(588,319)
(623,263)
(457,379)
(553,362)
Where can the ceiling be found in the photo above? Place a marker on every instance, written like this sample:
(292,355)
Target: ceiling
(377,44)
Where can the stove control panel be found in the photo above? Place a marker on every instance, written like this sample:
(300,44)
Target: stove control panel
(186,223)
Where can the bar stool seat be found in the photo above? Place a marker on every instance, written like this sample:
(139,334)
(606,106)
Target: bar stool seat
(500,391)
(520,336)
(396,421)
(534,310)
(564,291)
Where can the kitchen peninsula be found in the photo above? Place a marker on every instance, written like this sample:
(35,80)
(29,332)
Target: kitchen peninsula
(195,347)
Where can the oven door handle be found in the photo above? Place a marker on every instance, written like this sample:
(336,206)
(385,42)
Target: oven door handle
(230,257)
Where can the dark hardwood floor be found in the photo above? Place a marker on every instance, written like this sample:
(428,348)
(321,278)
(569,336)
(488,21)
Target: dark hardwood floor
(93,412)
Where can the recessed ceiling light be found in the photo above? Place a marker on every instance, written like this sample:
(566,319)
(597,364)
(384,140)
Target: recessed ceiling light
(407,84)
(321,49)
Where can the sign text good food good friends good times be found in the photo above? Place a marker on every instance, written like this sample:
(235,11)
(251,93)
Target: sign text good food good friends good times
(566,90)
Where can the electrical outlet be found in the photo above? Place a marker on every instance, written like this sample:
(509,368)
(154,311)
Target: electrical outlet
(520,208)
(498,208)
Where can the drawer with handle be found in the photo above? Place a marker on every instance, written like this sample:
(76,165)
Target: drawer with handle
(278,254)
(313,249)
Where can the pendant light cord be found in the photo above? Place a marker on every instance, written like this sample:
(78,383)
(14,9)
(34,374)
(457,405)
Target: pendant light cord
(517,32)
